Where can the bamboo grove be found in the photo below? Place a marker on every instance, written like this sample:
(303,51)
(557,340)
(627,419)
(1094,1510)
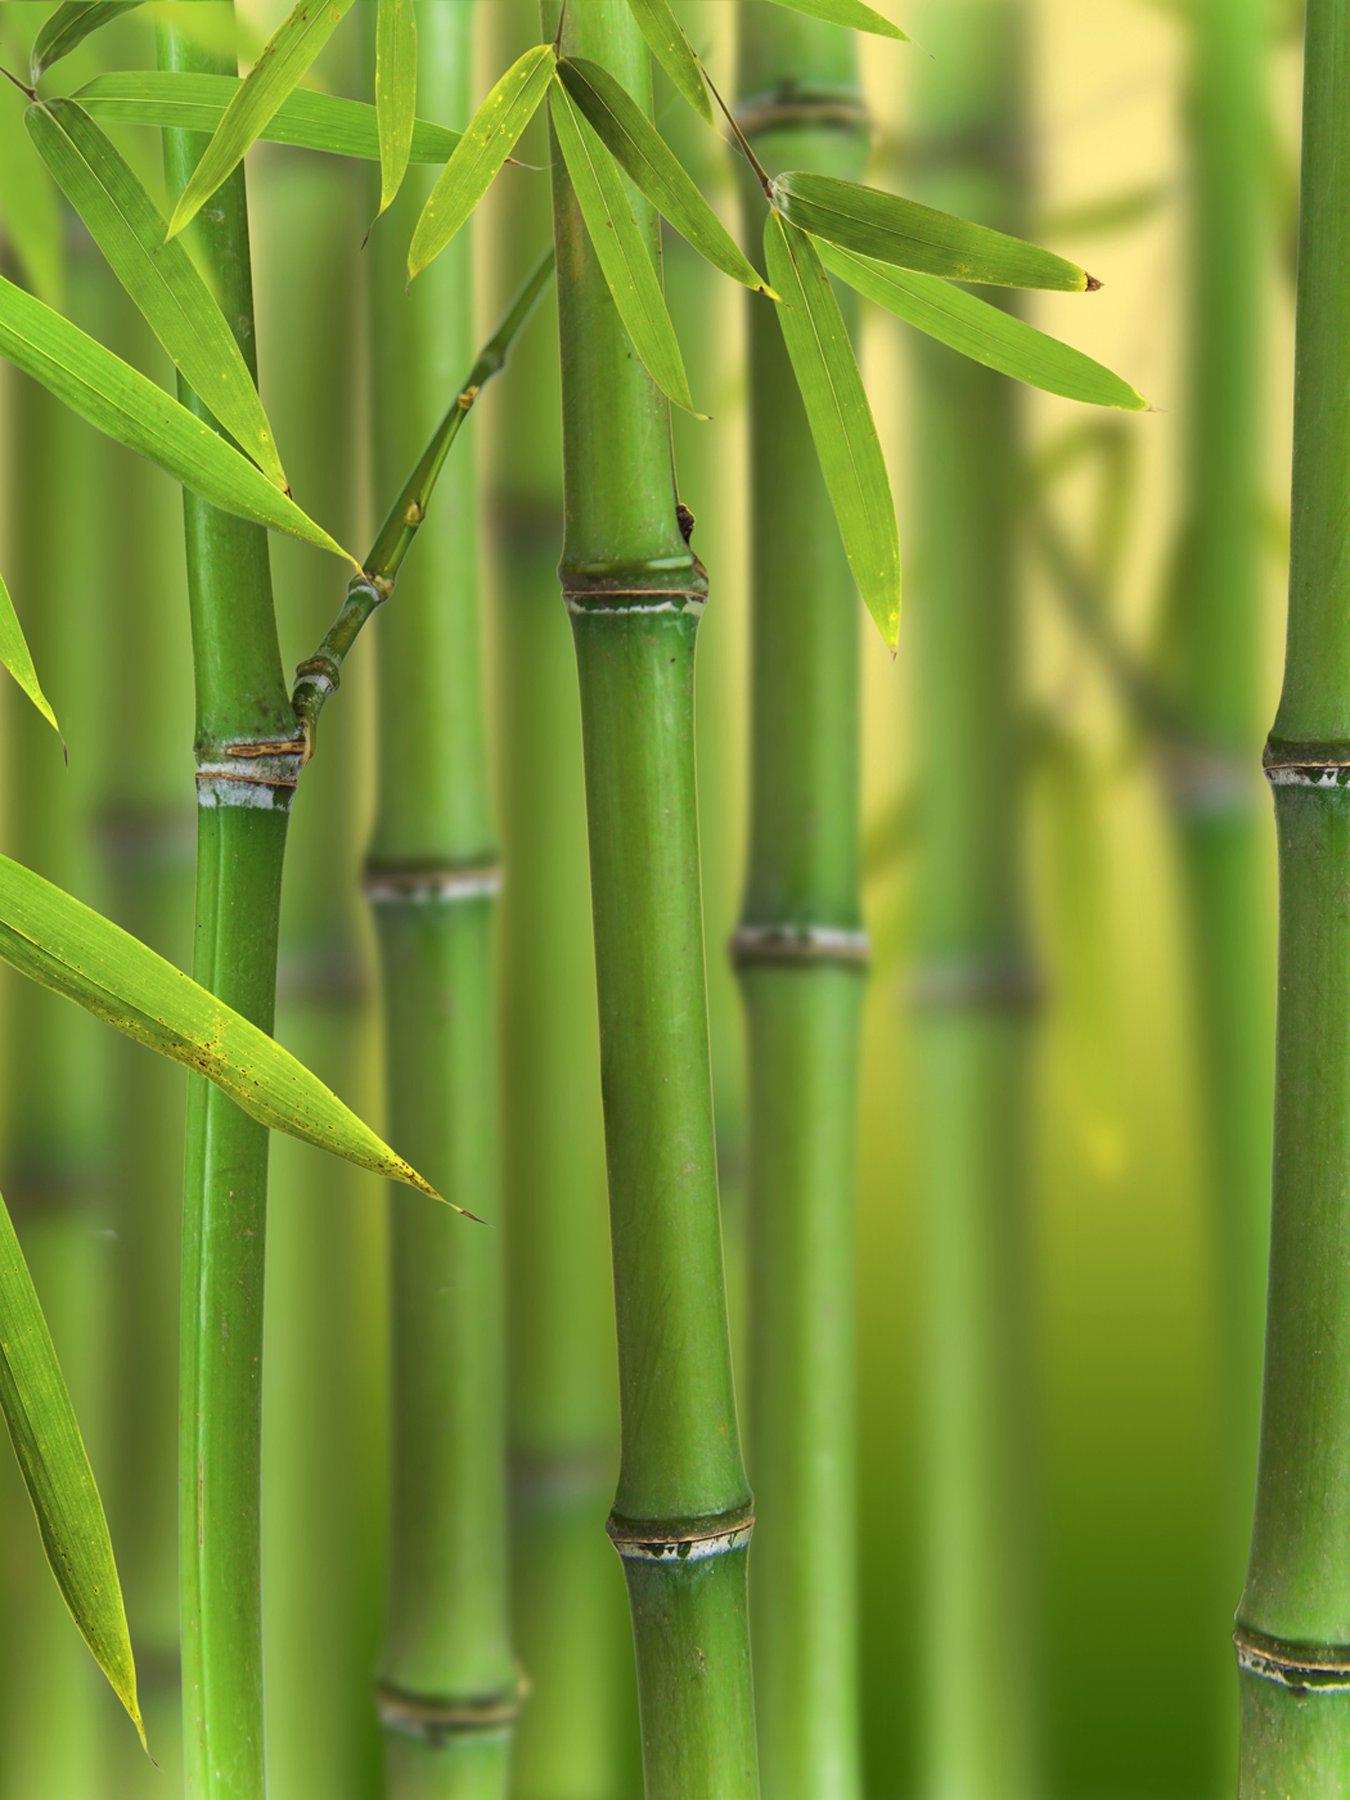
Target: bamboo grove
(702,1069)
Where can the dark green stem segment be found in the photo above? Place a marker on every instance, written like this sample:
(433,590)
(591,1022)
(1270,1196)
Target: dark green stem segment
(247,765)
(682,1513)
(802,957)
(1293,1630)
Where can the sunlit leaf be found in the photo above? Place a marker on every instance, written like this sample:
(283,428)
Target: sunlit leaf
(841,421)
(629,135)
(489,138)
(620,249)
(179,101)
(58,941)
(55,1469)
(120,401)
(286,55)
(895,230)
(671,48)
(852,13)
(15,655)
(395,92)
(68,27)
(983,332)
(160,277)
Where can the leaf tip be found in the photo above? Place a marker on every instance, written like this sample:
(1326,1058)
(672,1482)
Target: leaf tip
(1091,285)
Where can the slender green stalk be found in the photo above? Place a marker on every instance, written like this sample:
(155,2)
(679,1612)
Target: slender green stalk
(449,1695)
(682,1514)
(802,957)
(973,980)
(1293,1633)
(247,765)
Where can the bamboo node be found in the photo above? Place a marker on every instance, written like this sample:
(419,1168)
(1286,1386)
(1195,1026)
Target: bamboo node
(262,773)
(436,1720)
(681,1540)
(421,884)
(1299,1667)
(1004,986)
(796,944)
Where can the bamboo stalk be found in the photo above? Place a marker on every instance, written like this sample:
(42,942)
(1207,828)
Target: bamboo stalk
(1293,1634)
(449,1696)
(973,978)
(682,1513)
(248,761)
(802,956)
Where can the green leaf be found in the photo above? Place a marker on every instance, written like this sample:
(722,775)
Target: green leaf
(983,332)
(488,140)
(57,941)
(286,55)
(846,12)
(895,230)
(840,419)
(629,135)
(55,1468)
(160,276)
(120,401)
(15,655)
(671,48)
(620,249)
(305,120)
(68,27)
(395,92)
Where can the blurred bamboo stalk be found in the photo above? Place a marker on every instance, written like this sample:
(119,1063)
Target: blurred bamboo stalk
(802,957)
(1293,1635)
(974,985)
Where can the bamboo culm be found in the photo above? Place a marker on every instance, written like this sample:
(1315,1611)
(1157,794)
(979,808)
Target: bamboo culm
(802,956)
(682,1513)
(1293,1629)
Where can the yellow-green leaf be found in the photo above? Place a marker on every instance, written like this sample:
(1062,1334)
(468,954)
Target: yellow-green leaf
(68,27)
(395,92)
(983,332)
(160,277)
(286,55)
(56,940)
(16,657)
(55,1468)
(852,13)
(489,138)
(671,48)
(841,421)
(620,249)
(120,401)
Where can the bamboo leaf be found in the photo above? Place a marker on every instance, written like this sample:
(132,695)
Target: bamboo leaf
(671,48)
(852,13)
(15,655)
(64,945)
(621,251)
(841,422)
(983,332)
(55,1468)
(122,402)
(160,276)
(305,120)
(286,55)
(395,92)
(895,230)
(631,138)
(488,140)
(68,27)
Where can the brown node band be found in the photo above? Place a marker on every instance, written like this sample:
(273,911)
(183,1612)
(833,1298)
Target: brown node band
(421,1716)
(800,944)
(1301,1667)
(681,1540)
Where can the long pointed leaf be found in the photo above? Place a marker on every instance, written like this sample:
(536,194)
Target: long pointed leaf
(178,101)
(68,27)
(395,92)
(489,138)
(654,169)
(55,1468)
(983,332)
(852,13)
(671,48)
(895,230)
(17,658)
(120,401)
(620,249)
(289,51)
(841,421)
(53,938)
(160,277)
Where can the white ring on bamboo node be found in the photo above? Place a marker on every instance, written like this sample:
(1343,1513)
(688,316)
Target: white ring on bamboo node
(624,606)
(260,776)
(692,1545)
(800,943)
(422,887)
(1314,775)
(1302,1671)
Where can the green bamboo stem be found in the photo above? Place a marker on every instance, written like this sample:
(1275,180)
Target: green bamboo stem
(802,956)
(682,1513)
(973,980)
(1293,1634)
(248,760)
(449,1695)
